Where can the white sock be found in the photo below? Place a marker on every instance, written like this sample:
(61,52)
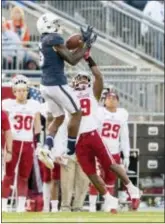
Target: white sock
(92,200)
(129,185)
(4,204)
(21,204)
(107,195)
(46,196)
(54,204)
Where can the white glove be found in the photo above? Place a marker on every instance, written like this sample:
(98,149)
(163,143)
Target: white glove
(126,162)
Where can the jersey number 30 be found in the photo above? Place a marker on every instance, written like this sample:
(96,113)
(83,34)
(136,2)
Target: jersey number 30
(110,131)
(23,122)
(85,107)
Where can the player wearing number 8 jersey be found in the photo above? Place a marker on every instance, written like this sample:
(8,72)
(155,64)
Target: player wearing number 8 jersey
(90,145)
(25,122)
(54,86)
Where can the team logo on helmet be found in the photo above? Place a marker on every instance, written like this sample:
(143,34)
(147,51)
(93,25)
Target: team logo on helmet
(20,81)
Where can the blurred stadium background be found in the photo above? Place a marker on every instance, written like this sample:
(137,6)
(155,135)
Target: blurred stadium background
(131,60)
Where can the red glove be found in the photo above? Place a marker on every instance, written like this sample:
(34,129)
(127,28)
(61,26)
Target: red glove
(87,54)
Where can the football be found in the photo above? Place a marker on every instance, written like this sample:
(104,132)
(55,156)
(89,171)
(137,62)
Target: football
(74,41)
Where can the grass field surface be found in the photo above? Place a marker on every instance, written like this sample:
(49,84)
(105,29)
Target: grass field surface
(84,217)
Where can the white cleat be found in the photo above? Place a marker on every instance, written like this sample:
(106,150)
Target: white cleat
(54,210)
(111,204)
(45,156)
(92,209)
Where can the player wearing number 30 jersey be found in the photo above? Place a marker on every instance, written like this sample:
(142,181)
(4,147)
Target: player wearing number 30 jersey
(90,145)
(25,122)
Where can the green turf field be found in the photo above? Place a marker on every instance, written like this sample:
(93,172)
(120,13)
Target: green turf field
(84,217)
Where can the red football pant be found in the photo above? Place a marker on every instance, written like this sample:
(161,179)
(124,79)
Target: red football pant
(24,169)
(88,148)
(48,175)
(109,178)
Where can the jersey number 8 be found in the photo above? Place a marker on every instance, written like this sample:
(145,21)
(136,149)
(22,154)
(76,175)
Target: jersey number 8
(41,55)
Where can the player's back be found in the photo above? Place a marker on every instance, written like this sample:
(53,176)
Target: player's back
(51,63)
(110,127)
(89,106)
(21,118)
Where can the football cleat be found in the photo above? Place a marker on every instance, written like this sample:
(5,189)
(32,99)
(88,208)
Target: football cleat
(135,195)
(111,204)
(44,155)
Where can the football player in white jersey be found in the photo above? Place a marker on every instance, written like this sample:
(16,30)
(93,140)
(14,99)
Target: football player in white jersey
(25,123)
(90,145)
(115,135)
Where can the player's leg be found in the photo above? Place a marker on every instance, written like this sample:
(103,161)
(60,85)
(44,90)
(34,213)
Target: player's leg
(110,177)
(9,177)
(69,101)
(86,158)
(107,162)
(51,95)
(67,184)
(25,167)
(80,189)
(93,193)
(55,188)
(46,178)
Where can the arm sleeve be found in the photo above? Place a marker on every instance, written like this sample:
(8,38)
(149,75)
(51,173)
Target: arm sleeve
(5,122)
(124,139)
(55,39)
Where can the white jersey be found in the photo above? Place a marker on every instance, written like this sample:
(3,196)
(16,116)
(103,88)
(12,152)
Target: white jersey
(89,107)
(113,128)
(21,118)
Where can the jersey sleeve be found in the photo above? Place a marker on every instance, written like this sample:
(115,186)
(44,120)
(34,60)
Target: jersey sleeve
(5,121)
(37,106)
(99,116)
(6,105)
(124,135)
(55,39)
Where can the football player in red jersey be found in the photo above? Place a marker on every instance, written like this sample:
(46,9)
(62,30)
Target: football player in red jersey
(90,145)
(6,137)
(24,118)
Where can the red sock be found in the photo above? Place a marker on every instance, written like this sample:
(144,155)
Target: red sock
(111,190)
(6,186)
(93,190)
(22,186)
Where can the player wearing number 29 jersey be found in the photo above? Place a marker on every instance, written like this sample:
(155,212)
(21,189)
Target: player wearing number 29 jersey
(25,122)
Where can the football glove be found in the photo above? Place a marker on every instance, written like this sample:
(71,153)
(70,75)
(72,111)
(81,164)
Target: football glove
(86,35)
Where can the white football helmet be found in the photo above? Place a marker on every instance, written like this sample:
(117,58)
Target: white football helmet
(20,81)
(82,80)
(48,23)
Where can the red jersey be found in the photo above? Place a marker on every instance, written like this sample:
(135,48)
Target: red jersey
(5,125)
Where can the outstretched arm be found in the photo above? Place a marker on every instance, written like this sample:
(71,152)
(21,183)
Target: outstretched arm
(71,58)
(98,83)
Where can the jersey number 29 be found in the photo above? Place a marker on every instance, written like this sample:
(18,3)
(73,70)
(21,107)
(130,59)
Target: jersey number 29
(110,130)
